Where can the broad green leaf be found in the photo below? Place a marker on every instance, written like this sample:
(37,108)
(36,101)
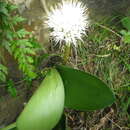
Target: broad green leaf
(45,107)
(126,22)
(84,91)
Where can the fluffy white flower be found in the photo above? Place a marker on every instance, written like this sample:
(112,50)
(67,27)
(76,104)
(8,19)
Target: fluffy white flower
(68,21)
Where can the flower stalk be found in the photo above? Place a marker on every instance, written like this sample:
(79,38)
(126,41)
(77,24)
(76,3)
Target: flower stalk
(67,52)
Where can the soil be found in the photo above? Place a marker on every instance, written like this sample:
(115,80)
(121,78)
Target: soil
(10,107)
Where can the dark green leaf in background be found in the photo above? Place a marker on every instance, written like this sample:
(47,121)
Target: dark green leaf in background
(84,91)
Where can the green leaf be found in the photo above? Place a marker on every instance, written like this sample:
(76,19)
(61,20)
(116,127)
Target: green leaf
(27,43)
(11,89)
(45,107)
(31,74)
(29,51)
(2,77)
(3,69)
(4,11)
(18,42)
(126,22)
(30,59)
(126,36)
(3,73)
(13,7)
(84,91)
(22,33)
(17,19)
(123,32)
(6,44)
(9,35)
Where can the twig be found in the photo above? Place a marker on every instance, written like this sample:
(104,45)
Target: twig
(103,121)
(114,123)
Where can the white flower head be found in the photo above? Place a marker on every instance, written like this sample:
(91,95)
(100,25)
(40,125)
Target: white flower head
(68,21)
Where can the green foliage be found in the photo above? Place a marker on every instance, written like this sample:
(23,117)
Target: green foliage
(11,88)
(78,89)
(126,33)
(23,51)
(108,57)
(126,36)
(126,22)
(126,39)
(18,42)
(3,73)
(45,108)
(84,91)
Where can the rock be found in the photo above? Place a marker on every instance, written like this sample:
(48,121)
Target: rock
(100,8)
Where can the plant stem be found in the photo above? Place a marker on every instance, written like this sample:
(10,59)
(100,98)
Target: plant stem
(67,50)
(9,127)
